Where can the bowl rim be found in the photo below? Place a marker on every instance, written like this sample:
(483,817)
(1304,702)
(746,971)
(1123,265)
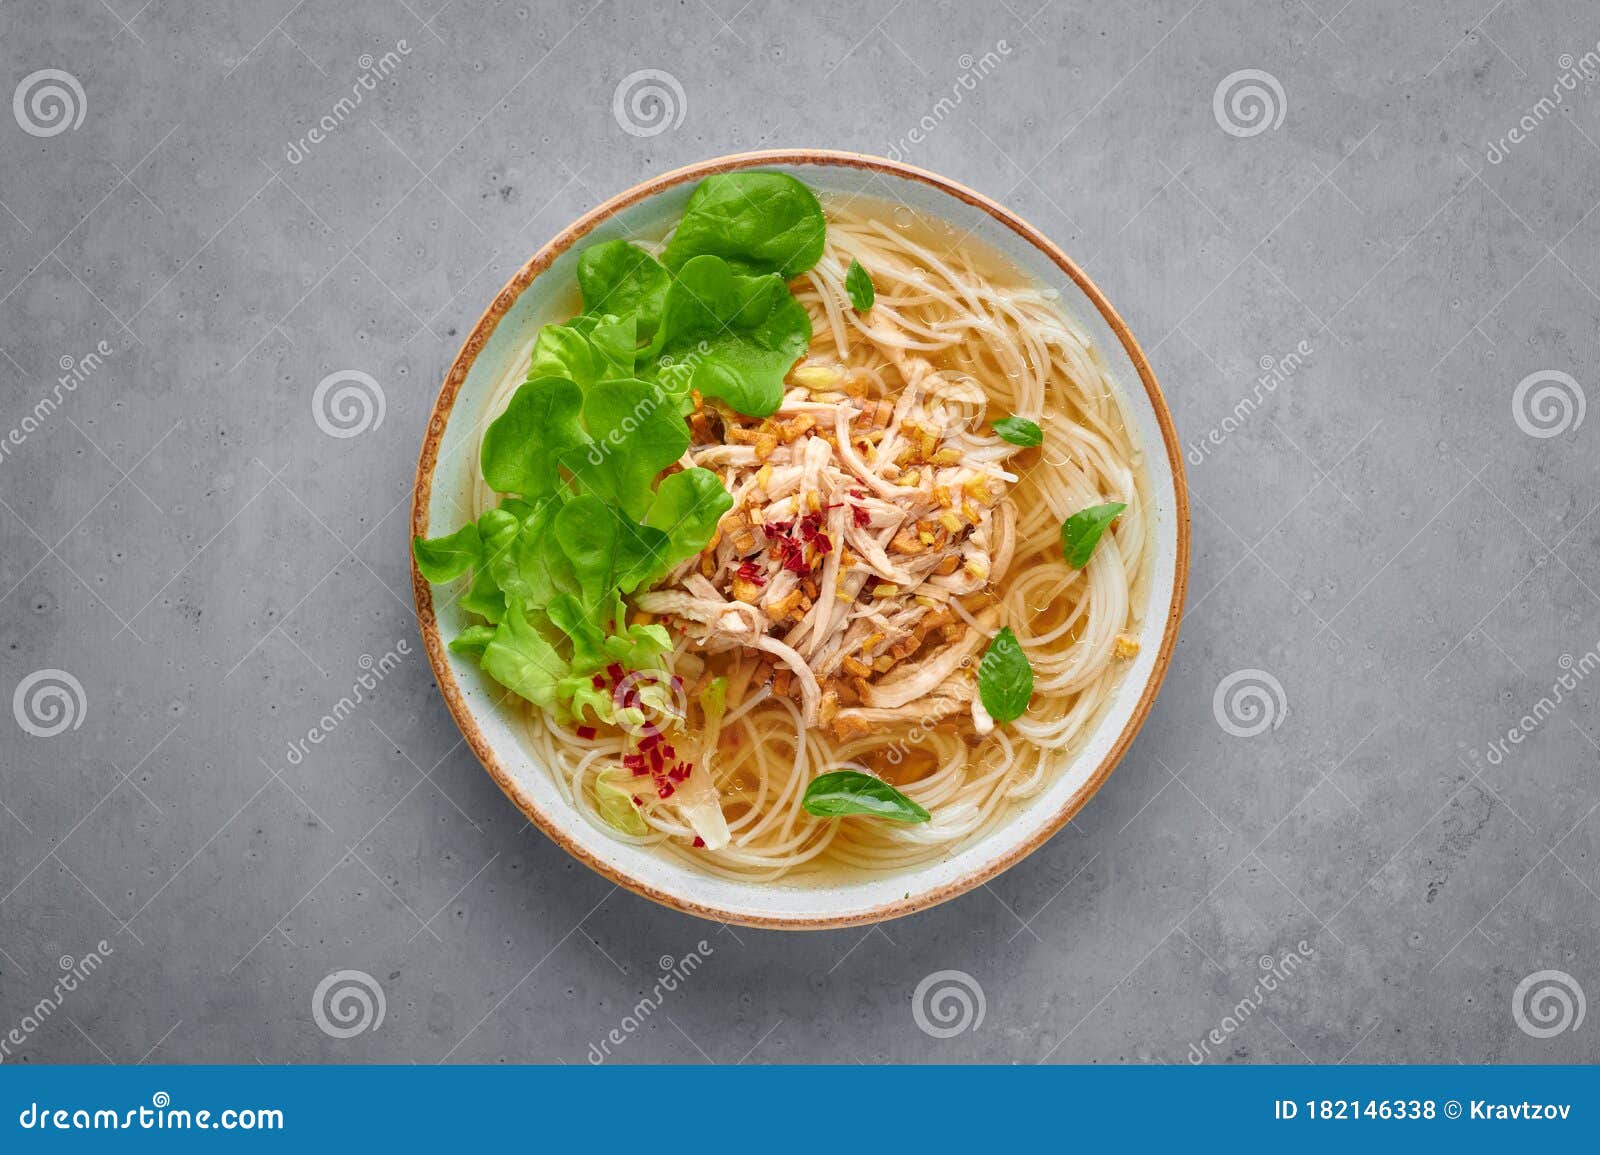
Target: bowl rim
(422,491)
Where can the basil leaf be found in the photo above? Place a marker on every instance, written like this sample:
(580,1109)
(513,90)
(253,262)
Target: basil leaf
(859,285)
(1005,680)
(843,792)
(442,559)
(760,222)
(1019,431)
(522,446)
(1081,532)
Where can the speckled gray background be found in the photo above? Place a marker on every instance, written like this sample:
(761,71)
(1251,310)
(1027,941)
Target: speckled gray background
(1385,534)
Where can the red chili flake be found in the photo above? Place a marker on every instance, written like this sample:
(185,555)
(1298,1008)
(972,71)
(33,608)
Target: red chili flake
(698,841)
(749,573)
(637,801)
(792,556)
(823,543)
(665,790)
(598,682)
(862,517)
(648,741)
(634,762)
(614,671)
(587,733)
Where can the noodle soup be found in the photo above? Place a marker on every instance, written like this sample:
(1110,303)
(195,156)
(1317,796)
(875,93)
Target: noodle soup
(922,584)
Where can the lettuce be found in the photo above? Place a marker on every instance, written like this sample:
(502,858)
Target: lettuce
(738,334)
(586,516)
(623,280)
(522,446)
(763,222)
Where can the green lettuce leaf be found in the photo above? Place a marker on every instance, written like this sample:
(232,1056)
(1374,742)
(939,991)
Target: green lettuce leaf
(608,552)
(522,660)
(522,446)
(585,350)
(761,222)
(623,280)
(443,559)
(687,507)
(735,336)
(635,432)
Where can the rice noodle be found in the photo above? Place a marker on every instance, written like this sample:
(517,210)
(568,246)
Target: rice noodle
(944,312)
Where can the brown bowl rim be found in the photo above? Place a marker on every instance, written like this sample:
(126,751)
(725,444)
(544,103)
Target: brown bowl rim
(479,336)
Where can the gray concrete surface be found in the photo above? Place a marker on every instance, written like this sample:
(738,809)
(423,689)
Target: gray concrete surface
(1391,534)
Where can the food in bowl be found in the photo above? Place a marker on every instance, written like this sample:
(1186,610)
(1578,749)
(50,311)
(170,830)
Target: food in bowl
(816,540)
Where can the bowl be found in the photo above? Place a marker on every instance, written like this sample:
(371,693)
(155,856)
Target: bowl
(543,291)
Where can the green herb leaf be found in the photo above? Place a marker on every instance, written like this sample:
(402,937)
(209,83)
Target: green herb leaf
(635,432)
(1005,680)
(623,280)
(761,222)
(843,792)
(585,350)
(1081,532)
(522,660)
(734,336)
(607,551)
(472,640)
(522,446)
(1019,431)
(687,507)
(443,559)
(859,285)
(615,804)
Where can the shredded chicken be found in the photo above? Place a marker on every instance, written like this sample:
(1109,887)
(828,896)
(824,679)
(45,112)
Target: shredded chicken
(856,522)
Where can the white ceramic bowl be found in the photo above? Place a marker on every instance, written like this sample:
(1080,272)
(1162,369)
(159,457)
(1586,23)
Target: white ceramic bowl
(543,291)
